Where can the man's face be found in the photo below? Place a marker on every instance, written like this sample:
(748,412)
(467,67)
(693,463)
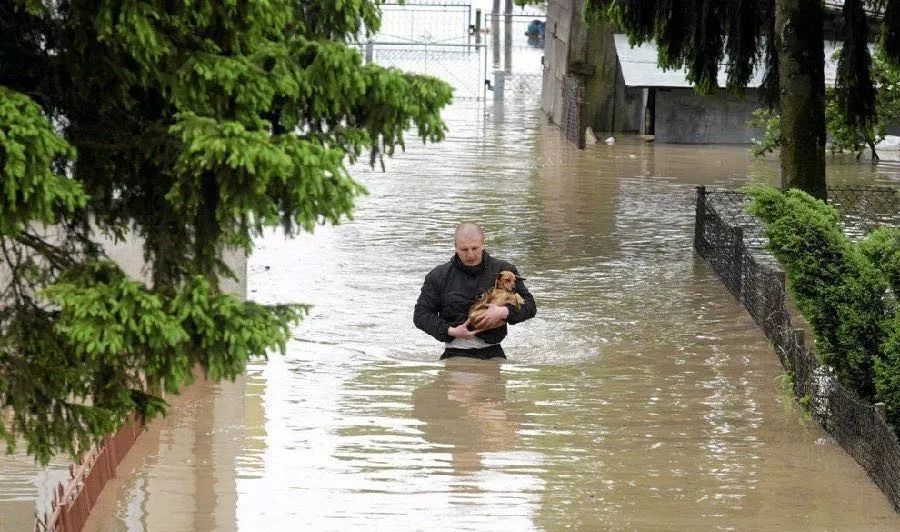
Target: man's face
(469,249)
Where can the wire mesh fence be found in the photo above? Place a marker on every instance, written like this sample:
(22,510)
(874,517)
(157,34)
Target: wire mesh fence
(861,209)
(431,22)
(573,110)
(731,241)
(864,208)
(445,39)
(464,67)
(437,38)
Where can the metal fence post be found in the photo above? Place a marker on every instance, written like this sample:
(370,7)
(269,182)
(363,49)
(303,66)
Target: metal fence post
(499,82)
(800,338)
(880,410)
(370,52)
(478,26)
(699,216)
(737,263)
(507,41)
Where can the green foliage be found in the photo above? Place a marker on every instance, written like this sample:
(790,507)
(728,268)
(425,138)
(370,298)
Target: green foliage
(118,343)
(696,35)
(842,290)
(889,40)
(854,92)
(887,373)
(882,248)
(839,291)
(886,75)
(769,122)
(32,188)
(194,125)
(220,324)
(843,136)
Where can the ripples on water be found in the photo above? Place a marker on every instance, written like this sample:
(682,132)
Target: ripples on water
(640,397)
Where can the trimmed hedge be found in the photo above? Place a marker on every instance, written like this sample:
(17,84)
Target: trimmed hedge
(847,292)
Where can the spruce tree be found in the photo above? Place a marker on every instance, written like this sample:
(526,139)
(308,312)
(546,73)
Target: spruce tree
(195,125)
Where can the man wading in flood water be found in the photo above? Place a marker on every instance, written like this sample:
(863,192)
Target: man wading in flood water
(451,288)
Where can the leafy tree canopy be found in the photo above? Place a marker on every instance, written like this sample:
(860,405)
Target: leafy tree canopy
(194,125)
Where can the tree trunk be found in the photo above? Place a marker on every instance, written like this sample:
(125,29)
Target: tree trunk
(801,50)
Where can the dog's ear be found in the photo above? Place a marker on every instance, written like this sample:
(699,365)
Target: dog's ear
(499,275)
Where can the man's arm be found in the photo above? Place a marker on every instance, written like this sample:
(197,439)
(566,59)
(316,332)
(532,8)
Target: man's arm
(497,315)
(426,315)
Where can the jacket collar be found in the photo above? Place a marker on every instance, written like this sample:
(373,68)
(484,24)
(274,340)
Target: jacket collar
(471,271)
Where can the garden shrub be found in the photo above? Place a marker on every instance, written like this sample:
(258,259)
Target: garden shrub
(882,248)
(837,288)
(887,372)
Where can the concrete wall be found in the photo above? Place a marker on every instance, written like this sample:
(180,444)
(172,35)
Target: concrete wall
(588,51)
(684,117)
(595,56)
(129,255)
(629,109)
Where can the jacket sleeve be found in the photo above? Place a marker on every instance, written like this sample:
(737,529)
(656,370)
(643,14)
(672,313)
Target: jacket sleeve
(527,310)
(427,315)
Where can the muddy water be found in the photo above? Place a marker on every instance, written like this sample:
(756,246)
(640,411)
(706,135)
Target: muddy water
(641,397)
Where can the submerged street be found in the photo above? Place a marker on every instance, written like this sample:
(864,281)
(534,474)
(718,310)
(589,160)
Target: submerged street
(641,396)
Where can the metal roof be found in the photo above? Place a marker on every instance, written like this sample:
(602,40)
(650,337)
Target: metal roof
(640,69)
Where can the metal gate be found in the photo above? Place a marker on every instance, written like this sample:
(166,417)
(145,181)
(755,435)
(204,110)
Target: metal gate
(437,39)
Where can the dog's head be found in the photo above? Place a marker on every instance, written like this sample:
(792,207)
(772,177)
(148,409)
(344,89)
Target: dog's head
(506,281)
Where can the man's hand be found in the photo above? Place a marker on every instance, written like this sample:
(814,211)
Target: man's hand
(462,331)
(493,317)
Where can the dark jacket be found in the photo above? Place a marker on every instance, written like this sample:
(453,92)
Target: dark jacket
(451,288)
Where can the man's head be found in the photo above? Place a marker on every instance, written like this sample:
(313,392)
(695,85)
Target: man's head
(469,242)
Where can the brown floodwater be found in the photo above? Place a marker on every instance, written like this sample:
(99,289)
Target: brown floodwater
(641,397)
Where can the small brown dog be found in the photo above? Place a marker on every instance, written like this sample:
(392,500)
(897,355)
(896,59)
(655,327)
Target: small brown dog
(503,293)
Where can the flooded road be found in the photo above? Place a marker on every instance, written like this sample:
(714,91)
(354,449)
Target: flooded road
(642,396)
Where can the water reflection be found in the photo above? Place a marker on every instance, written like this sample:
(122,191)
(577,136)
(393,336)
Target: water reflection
(180,474)
(465,409)
(26,488)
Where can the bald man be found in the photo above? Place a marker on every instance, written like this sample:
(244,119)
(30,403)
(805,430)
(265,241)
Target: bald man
(451,288)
